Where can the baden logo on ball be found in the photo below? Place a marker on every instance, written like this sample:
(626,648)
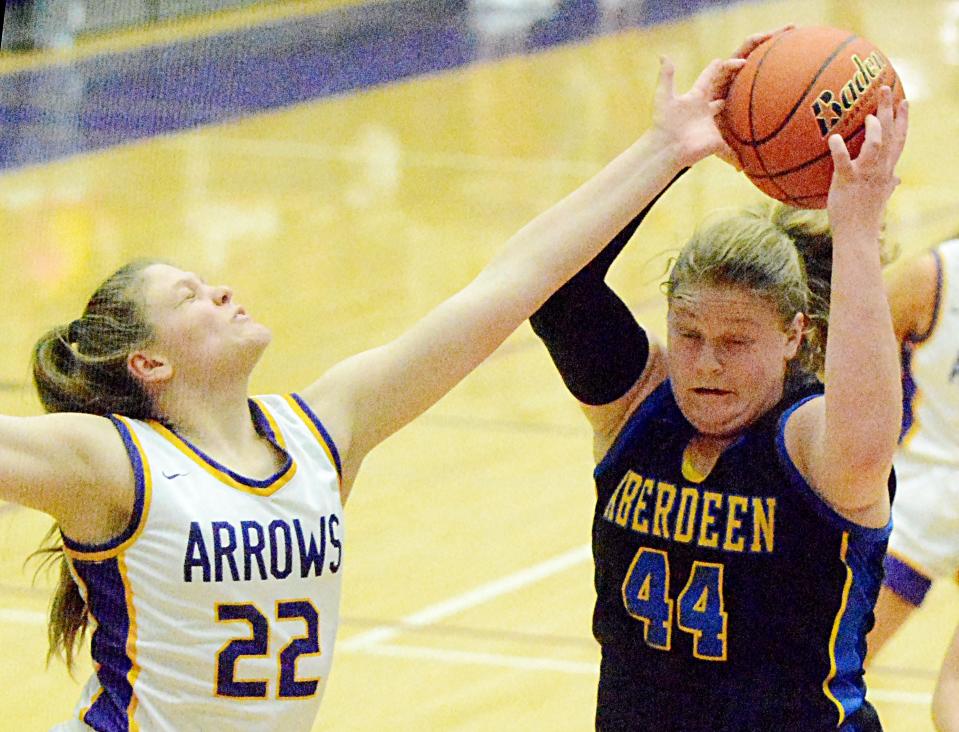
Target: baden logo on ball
(829,111)
(796,90)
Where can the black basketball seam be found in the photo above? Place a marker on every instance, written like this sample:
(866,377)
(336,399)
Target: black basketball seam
(812,161)
(755,144)
(752,130)
(752,88)
(752,125)
(815,196)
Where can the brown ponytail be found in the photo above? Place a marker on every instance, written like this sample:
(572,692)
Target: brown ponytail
(82,367)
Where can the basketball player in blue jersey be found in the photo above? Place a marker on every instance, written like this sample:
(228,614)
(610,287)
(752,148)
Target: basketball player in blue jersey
(742,510)
(203,531)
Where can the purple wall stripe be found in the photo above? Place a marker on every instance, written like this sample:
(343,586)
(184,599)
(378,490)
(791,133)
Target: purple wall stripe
(113,98)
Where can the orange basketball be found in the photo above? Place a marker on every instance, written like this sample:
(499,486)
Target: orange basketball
(796,90)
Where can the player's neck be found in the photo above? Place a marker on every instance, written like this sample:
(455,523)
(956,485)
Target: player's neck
(215,419)
(712,444)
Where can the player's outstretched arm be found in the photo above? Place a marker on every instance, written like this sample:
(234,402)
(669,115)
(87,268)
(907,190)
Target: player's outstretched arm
(945,701)
(370,396)
(608,362)
(845,443)
(71,466)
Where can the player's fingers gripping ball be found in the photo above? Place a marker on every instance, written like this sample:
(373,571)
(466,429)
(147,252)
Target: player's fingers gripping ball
(797,89)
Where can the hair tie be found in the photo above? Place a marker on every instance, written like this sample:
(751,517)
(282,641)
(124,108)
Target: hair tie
(73,332)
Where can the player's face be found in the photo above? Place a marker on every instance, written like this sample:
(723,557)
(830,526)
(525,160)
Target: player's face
(200,325)
(727,355)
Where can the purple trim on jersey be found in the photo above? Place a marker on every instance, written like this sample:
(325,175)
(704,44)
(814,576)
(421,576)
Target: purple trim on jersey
(798,482)
(119,96)
(139,492)
(108,647)
(909,391)
(907,582)
(262,422)
(848,686)
(937,303)
(909,388)
(320,428)
(264,427)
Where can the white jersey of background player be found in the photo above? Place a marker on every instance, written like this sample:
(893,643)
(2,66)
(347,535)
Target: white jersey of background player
(924,546)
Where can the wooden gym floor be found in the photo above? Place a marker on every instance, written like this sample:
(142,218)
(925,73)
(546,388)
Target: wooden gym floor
(342,216)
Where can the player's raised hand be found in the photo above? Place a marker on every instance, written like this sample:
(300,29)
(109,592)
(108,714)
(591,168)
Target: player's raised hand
(687,122)
(757,39)
(747,47)
(860,188)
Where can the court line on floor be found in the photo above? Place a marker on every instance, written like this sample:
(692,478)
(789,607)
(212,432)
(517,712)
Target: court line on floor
(446,655)
(584,668)
(470,599)
(473,658)
(22,617)
(893,696)
(496,635)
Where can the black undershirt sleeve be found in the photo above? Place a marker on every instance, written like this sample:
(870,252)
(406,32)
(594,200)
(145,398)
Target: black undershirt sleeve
(594,340)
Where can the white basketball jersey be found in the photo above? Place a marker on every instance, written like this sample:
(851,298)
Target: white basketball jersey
(218,606)
(930,433)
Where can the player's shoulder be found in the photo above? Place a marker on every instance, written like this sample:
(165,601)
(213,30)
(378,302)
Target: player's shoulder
(914,289)
(87,436)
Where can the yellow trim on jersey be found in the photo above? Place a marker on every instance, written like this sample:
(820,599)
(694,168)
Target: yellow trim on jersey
(175,440)
(844,547)
(689,470)
(81,585)
(272,422)
(131,645)
(85,594)
(147,498)
(298,410)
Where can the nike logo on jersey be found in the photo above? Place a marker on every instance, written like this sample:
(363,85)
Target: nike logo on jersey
(171,476)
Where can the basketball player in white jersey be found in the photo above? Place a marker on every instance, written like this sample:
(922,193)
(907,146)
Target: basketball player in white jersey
(924,546)
(203,531)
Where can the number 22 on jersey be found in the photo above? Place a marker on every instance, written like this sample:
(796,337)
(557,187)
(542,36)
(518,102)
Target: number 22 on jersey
(701,608)
(288,686)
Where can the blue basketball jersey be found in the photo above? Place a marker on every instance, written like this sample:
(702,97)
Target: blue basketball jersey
(733,601)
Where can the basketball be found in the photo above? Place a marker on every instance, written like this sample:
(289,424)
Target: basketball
(796,90)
